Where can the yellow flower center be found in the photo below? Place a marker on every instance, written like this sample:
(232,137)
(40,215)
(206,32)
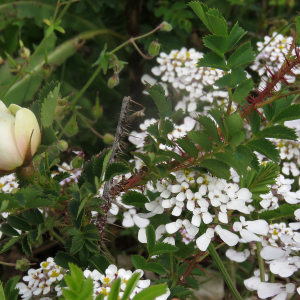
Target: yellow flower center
(45,264)
(106,280)
(55,273)
(275,232)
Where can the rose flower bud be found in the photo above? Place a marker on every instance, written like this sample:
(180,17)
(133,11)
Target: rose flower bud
(19,139)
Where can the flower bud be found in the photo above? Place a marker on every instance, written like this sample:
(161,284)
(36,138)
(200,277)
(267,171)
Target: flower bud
(113,81)
(72,127)
(154,48)
(77,162)
(108,139)
(165,26)
(20,137)
(23,264)
(62,146)
(53,149)
(24,52)
(97,110)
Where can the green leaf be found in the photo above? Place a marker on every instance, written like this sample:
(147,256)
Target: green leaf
(76,219)
(201,10)
(235,35)
(138,261)
(172,155)
(284,211)
(131,284)
(265,147)
(188,147)
(98,163)
(26,245)
(156,268)
(216,167)
(166,126)
(157,93)
(151,292)
(10,290)
(243,90)
(10,243)
(63,259)
(153,129)
(135,198)
(150,232)
(18,223)
(115,289)
(91,246)
(210,127)
(49,137)
(8,230)
(217,22)
(233,124)
(212,60)
(218,44)
(145,158)
(236,76)
(288,114)
(33,216)
(161,248)
(91,232)
(278,132)
(48,107)
(255,120)
(241,56)
(114,169)
(201,139)
(100,262)
(77,243)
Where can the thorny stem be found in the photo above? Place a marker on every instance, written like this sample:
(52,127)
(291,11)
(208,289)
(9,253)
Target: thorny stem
(191,267)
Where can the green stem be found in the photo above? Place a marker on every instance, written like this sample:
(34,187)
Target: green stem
(57,236)
(89,126)
(226,276)
(139,51)
(37,49)
(172,266)
(230,102)
(260,262)
(7,264)
(272,277)
(86,85)
(232,271)
(63,11)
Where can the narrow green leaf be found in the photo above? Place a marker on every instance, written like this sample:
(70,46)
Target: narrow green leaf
(201,139)
(131,284)
(217,22)
(150,232)
(100,262)
(188,147)
(241,56)
(26,246)
(171,154)
(255,120)
(2,295)
(151,292)
(115,289)
(48,107)
(216,167)
(33,216)
(76,219)
(278,132)
(243,90)
(153,129)
(10,243)
(233,124)
(265,147)
(63,259)
(201,9)
(157,93)
(143,157)
(98,163)
(105,162)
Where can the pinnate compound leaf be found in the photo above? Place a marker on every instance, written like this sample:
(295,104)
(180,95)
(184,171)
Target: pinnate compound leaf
(48,106)
(135,198)
(138,261)
(201,139)
(188,147)
(288,114)
(283,211)
(212,60)
(241,56)
(243,90)
(8,230)
(216,167)
(265,147)
(150,233)
(114,169)
(161,248)
(18,223)
(151,292)
(278,132)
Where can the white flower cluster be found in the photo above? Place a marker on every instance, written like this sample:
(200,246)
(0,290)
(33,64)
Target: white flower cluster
(46,281)
(180,69)
(103,282)
(273,54)
(42,281)
(8,183)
